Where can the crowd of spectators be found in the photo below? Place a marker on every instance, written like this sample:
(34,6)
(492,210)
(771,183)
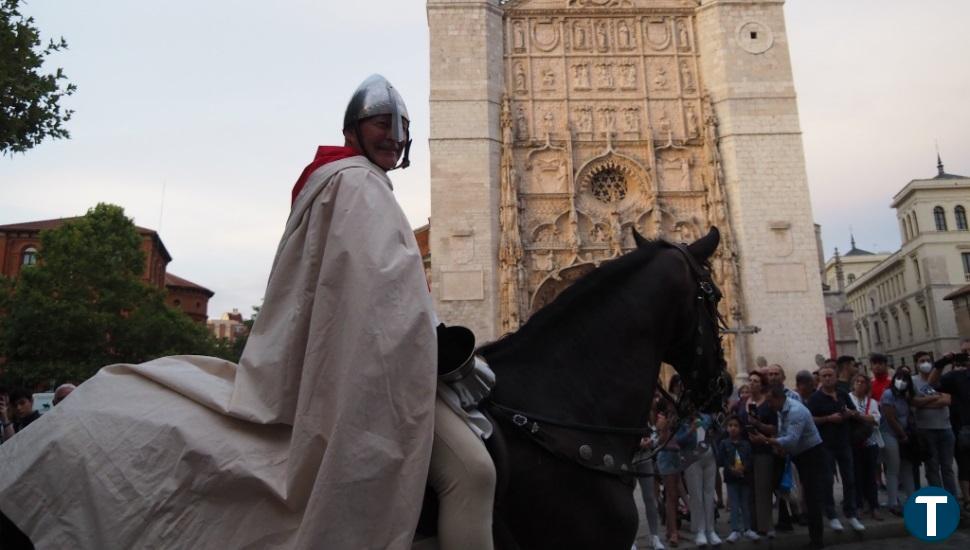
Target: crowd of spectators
(868,432)
(17,408)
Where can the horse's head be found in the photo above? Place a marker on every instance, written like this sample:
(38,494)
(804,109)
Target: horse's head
(697,354)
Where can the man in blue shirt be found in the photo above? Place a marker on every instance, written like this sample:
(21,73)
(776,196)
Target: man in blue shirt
(798,436)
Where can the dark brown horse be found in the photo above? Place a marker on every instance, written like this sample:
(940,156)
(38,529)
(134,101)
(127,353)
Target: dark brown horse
(575,386)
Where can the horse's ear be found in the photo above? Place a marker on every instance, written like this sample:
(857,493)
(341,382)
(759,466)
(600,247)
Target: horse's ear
(703,247)
(638,238)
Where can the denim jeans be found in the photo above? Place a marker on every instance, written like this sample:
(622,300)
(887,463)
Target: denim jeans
(739,494)
(939,467)
(649,493)
(840,456)
(899,472)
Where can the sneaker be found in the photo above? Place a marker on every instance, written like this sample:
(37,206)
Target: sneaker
(856,524)
(836,525)
(752,536)
(733,537)
(700,539)
(657,545)
(713,539)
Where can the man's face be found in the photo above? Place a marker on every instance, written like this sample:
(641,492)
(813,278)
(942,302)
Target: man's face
(806,387)
(774,374)
(880,368)
(23,407)
(61,393)
(847,369)
(965,346)
(826,378)
(734,429)
(376,140)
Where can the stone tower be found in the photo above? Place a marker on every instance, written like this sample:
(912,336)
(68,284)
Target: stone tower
(557,126)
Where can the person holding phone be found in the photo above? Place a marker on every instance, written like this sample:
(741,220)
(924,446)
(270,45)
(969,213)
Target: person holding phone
(831,409)
(759,418)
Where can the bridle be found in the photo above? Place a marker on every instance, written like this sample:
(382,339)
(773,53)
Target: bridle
(686,405)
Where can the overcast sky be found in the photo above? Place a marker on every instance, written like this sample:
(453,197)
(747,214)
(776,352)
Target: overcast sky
(197,117)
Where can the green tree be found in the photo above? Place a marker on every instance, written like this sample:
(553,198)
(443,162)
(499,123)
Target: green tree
(84,305)
(30,99)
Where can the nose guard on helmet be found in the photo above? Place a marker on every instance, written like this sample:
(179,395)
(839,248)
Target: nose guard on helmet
(376,96)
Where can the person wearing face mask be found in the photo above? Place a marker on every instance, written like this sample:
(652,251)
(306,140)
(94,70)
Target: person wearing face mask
(896,427)
(932,414)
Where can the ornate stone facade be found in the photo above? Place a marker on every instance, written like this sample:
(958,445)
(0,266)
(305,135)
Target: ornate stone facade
(580,120)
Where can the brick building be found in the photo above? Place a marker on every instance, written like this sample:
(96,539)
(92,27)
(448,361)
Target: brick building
(20,243)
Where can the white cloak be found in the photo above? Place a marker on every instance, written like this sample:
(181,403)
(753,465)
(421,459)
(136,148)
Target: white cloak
(319,438)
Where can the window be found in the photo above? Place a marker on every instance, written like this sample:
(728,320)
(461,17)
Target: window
(915,225)
(926,320)
(29,256)
(966,265)
(961,215)
(939,217)
(875,325)
(919,278)
(909,323)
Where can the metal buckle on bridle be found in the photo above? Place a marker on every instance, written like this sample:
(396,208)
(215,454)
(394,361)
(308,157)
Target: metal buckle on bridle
(519,420)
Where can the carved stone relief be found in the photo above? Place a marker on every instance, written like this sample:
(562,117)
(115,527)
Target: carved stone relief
(602,36)
(580,76)
(687,77)
(657,31)
(518,36)
(606,130)
(604,76)
(625,38)
(628,76)
(545,35)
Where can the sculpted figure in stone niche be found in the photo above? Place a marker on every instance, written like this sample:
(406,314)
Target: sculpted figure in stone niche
(521,124)
(520,78)
(623,35)
(683,36)
(549,122)
(602,36)
(584,119)
(693,130)
(608,115)
(632,118)
(581,76)
(579,35)
(628,75)
(518,36)
(685,174)
(665,128)
(604,76)
(548,79)
(660,80)
(687,75)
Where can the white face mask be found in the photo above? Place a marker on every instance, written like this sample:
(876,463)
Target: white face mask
(925,367)
(900,384)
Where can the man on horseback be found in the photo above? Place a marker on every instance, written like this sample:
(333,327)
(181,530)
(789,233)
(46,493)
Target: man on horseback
(376,127)
(321,437)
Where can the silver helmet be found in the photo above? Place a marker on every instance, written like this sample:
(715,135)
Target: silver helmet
(376,96)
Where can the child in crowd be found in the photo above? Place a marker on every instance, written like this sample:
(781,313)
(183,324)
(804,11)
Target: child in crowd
(735,457)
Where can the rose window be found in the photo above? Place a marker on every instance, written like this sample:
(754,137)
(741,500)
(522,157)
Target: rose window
(608,185)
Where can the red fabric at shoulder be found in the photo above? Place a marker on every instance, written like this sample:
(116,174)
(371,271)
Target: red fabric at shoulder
(325,155)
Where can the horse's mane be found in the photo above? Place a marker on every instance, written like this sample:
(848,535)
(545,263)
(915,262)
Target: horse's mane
(562,311)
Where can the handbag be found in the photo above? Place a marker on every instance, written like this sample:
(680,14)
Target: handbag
(861,430)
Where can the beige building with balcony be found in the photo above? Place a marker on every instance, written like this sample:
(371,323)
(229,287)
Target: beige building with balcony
(899,304)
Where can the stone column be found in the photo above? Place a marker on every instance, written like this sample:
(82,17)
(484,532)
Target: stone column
(747,69)
(467,84)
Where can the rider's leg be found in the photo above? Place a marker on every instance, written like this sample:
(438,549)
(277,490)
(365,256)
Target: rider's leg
(463,476)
